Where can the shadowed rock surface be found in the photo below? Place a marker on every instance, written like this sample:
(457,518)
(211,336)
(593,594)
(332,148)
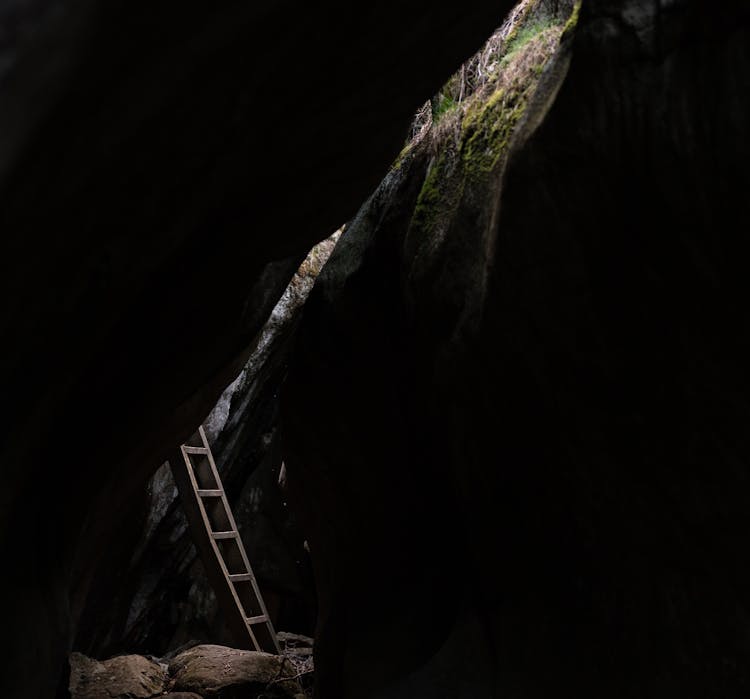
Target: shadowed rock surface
(127,676)
(154,596)
(535,345)
(516,427)
(163,171)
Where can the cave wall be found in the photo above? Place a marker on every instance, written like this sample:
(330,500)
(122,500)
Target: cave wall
(531,381)
(140,149)
(150,593)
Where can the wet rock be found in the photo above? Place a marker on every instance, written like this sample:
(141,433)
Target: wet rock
(124,677)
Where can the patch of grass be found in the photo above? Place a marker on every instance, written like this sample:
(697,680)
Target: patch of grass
(443,104)
(523,35)
(470,124)
(473,138)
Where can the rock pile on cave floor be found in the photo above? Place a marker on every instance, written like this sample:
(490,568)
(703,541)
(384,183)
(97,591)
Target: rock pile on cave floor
(197,673)
(299,650)
(125,676)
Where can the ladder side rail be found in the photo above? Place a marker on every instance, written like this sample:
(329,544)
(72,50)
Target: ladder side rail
(213,561)
(207,523)
(253,581)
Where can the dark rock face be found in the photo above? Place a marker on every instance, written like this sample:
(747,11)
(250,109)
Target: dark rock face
(153,597)
(140,151)
(531,390)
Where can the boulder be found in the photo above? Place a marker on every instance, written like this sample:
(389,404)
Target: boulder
(217,670)
(127,676)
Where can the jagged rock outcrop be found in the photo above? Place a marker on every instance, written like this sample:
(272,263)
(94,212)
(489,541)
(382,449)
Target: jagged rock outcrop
(533,341)
(516,426)
(152,596)
(163,170)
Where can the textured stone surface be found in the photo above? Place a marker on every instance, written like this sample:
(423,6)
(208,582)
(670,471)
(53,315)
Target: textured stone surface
(163,170)
(201,671)
(538,488)
(166,599)
(536,481)
(124,677)
(299,650)
(212,670)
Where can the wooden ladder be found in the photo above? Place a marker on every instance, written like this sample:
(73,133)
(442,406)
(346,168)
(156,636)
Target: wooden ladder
(215,534)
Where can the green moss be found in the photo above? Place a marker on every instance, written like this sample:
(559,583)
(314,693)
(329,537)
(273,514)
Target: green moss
(489,125)
(474,138)
(441,190)
(488,130)
(401,157)
(430,200)
(522,36)
(572,22)
(443,104)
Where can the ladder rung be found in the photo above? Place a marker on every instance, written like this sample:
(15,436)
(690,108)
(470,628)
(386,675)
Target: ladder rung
(261,619)
(206,493)
(241,577)
(194,450)
(224,535)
